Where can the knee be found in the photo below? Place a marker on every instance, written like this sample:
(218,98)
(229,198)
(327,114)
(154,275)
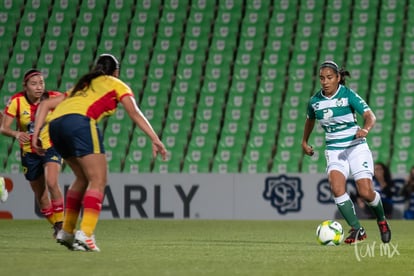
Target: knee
(42,199)
(367,196)
(337,190)
(98,184)
(53,186)
(367,193)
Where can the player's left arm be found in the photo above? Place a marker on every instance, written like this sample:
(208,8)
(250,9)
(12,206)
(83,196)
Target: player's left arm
(367,114)
(141,121)
(44,107)
(369,122)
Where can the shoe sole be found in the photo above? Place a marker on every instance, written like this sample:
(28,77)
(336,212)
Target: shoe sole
(78,247)
(66,244)
(386,239)
(384,235)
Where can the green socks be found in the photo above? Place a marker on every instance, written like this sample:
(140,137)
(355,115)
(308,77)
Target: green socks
(347,210)
(377,208)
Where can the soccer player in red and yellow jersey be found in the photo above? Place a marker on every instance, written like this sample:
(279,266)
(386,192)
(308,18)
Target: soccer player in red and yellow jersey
(73,128)
(42,172)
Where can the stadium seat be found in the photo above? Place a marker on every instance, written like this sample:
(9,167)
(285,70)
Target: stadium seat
(315,163)
(139,156)
(258,153)
(209,65)
(13,162)
(203,141)
(196,161)
(286,161)
(226,161)
(336,23)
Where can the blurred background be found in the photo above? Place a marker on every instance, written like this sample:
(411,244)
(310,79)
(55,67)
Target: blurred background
(225,83)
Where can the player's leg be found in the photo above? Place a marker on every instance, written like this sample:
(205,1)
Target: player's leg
(34,173)
(95,168)
(362,167)
(342,199)
(372,197)
(338,170)
(42,198)
(74,198)
(52,170)
(70,141)
(83,151)
(74,195)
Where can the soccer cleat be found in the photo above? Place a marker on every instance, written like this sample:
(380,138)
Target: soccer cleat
(65,238)
(356,235)
(78,247)
(4,194)
(56,228)
(88,243)
(385,231)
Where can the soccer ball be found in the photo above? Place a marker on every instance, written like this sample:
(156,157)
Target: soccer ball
(330,232)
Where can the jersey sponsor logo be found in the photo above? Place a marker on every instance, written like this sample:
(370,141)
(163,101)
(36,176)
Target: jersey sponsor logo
(284,193)
(324,194)
(327,113)
(55,158)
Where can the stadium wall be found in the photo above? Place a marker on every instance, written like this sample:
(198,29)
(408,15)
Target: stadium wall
(203,196)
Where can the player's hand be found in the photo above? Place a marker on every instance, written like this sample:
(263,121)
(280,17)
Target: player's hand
(38,147)
(158,147)
(23,137)
(308,150)
(361,133)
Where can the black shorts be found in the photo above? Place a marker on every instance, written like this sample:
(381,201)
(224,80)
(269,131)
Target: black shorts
(33,164)
(75,135)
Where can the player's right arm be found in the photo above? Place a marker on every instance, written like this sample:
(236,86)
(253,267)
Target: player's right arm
(6,129)
(42,111)
(309,125)
(10,113)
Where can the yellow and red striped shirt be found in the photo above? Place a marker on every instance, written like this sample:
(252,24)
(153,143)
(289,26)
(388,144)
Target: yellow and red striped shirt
(20,108)
(99,100)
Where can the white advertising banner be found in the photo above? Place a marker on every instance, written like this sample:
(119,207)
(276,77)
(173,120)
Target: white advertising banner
(203,196)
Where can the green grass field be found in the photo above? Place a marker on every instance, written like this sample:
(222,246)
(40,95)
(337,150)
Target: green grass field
(203,247)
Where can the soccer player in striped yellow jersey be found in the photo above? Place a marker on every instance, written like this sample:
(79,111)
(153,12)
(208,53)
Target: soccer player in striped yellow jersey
(42,172)
(347,153)
(73,128)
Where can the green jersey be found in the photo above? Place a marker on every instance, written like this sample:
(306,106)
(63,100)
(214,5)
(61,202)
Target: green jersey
(337,116)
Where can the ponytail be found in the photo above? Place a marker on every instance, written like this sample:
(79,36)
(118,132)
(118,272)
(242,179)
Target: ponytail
(105,65)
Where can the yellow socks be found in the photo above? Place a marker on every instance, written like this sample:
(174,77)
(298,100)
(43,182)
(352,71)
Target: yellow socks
(92,205)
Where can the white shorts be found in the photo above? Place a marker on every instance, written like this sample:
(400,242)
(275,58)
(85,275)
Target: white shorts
(357,160)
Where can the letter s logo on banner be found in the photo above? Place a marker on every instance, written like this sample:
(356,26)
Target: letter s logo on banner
(284,193)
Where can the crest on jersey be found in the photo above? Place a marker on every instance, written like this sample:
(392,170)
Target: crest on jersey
(340,102)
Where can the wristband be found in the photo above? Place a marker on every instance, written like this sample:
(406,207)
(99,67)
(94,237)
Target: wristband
(17,135)
(365,130)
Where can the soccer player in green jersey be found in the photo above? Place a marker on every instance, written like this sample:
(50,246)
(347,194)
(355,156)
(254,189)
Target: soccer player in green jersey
(347,151)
